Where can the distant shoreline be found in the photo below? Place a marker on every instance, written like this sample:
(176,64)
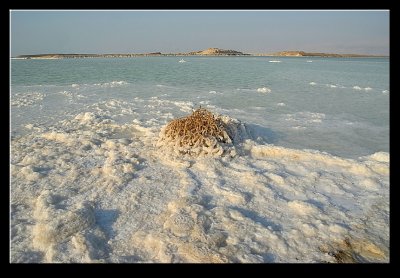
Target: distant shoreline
(208,52)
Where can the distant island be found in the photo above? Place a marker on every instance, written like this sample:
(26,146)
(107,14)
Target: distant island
(206,52)
(317,54)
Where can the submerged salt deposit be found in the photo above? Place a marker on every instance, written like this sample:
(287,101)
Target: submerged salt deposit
(92,182)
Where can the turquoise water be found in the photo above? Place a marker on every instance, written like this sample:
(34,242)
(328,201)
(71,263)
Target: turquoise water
(336,105)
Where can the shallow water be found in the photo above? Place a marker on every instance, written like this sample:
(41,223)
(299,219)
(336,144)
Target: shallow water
(340,106)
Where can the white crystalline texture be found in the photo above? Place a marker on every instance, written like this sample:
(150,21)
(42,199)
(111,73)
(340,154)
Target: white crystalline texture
(55,224)
(227,199)
(27,99)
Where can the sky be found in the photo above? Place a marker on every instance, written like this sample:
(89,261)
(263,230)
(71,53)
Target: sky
(169,31)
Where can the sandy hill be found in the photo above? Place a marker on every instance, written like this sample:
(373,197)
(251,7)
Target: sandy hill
(290,53)
(318,54)
(216,51)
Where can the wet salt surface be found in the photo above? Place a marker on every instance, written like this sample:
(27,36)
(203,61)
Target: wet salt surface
(90,189)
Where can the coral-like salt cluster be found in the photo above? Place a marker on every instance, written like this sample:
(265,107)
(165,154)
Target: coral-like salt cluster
(201,133)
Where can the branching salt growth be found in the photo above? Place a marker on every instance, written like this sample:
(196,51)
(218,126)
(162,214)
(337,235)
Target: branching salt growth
(200,133)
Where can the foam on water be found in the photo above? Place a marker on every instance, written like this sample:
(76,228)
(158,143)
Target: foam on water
(306,118)
(264,90)
(360,88)
(112,84)
(356,87)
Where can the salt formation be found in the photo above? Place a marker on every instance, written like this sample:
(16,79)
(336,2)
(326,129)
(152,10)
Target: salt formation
(202,133)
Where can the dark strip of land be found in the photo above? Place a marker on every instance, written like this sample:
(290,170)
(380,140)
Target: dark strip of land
(207,52)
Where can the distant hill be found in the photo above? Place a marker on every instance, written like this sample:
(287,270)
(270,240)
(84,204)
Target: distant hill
(216,52)
(317,54)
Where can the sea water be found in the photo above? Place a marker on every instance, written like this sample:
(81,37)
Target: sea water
(337,105)
(88,184)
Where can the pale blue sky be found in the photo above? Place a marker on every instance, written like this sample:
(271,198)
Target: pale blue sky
(35,32)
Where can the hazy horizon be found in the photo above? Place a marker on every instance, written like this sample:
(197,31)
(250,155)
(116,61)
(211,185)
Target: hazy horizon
(171,31)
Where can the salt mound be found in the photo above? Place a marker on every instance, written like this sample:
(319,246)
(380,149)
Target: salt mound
(264,90)
(201,133)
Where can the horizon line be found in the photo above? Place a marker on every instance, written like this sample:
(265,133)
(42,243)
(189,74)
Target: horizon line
(193,51)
